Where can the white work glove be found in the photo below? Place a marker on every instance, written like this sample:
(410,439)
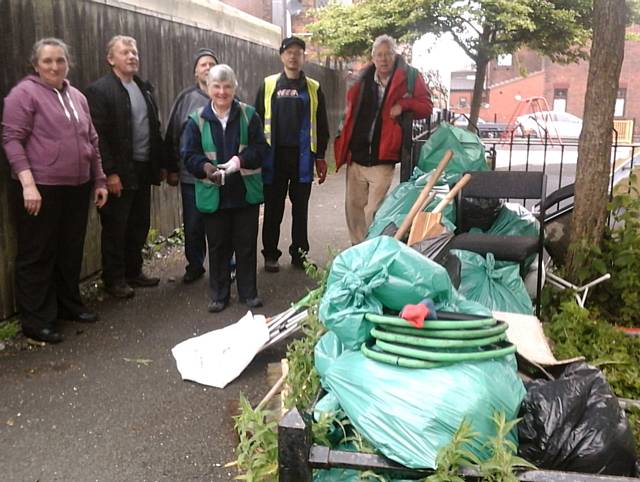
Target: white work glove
(232,165)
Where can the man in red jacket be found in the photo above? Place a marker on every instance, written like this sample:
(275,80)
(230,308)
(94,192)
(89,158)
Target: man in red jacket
(370,140)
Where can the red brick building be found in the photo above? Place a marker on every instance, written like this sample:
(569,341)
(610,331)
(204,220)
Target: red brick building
(258,8)
(513,78)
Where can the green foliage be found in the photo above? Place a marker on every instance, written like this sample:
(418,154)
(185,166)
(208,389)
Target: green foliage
(453,456)
(619,254)
(156,242)
(499,468)
(575,332)
(483,28)
(9,329)
(303,379)
(257,451)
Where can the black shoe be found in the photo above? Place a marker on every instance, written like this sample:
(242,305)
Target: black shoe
(271,265)
(143,281)
(190,276)
(216,306)
(85,316)
(48,335)
(300,262)
(120,290)
(253,302)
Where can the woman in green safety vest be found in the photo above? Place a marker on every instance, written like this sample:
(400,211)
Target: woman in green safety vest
(223,146)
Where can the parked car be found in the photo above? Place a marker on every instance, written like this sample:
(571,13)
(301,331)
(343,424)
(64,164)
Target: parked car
(484,129)
(556,124)
(463,121)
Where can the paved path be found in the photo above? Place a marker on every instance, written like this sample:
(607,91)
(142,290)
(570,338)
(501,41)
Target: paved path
(80,412)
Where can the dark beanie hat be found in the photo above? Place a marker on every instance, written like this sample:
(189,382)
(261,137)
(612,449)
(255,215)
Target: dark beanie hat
(201,53)
(289,41)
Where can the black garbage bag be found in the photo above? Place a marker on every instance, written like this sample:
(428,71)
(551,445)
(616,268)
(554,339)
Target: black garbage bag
(479,213)
(575,424)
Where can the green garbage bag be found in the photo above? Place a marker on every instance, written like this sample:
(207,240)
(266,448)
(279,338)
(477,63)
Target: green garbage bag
(468,152)
(326,351)
(409,414)
(397,204)
(514,220)
(376,274)
(494,284)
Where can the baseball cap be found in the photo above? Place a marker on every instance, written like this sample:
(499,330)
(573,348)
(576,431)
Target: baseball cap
(289,41)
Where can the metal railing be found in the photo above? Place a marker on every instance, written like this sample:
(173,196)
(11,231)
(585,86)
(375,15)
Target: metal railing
(558,160)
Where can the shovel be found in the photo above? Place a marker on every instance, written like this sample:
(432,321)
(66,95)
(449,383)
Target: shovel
(426,225)
(425,196)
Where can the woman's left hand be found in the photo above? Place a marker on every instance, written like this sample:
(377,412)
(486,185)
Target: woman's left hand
(100,196)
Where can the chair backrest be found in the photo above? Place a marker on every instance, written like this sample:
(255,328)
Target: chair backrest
(506,184)
(509,185)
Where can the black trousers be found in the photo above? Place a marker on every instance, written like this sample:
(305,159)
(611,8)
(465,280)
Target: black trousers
(49,256)
(229,231)
(285,180)
(125,225)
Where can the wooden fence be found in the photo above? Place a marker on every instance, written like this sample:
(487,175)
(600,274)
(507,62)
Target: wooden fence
(166,47)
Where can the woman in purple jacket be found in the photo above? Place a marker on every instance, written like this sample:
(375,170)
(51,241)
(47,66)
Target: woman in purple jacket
(52,148)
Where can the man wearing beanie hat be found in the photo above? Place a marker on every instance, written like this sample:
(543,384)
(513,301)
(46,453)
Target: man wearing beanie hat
(292,108)
(188,101)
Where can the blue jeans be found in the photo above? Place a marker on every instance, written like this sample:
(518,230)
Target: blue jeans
(195,244)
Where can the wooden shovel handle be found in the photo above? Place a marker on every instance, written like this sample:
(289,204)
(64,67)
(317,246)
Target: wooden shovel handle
(423,198)
(452,194)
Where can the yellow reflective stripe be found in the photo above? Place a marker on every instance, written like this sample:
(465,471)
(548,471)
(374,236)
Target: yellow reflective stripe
(312,87)
(269,89)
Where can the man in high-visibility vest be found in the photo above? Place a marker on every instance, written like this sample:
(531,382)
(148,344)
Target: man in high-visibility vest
(293,111)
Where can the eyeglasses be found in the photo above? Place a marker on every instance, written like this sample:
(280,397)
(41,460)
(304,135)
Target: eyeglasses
(383,55)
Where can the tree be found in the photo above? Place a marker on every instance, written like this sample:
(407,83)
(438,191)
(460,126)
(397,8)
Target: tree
(483,28)
(594,150)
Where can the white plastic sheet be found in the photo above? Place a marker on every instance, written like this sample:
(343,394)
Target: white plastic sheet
(220,356)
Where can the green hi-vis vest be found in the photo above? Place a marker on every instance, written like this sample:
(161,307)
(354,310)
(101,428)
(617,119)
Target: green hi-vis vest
(312,88)
(207,193)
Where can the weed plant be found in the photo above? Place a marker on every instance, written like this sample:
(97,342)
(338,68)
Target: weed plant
(9,329)
(574,331)
(618,299)
(257,452)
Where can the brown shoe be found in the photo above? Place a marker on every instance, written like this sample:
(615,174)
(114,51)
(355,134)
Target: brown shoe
(143,281)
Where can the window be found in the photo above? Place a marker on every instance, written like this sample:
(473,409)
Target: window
(560,100)
(505,60)
(620,98)
(462,102)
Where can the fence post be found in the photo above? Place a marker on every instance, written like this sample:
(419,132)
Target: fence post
(294,444)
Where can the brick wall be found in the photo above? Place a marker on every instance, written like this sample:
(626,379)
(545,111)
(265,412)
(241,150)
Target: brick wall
(572,77)
(524,61)
(504,98)
(258,8)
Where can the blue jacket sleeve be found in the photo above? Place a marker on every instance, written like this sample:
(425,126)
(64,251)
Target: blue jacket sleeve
(191,150)
(257,150)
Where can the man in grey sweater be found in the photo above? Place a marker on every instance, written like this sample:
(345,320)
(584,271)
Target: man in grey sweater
(188,101)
